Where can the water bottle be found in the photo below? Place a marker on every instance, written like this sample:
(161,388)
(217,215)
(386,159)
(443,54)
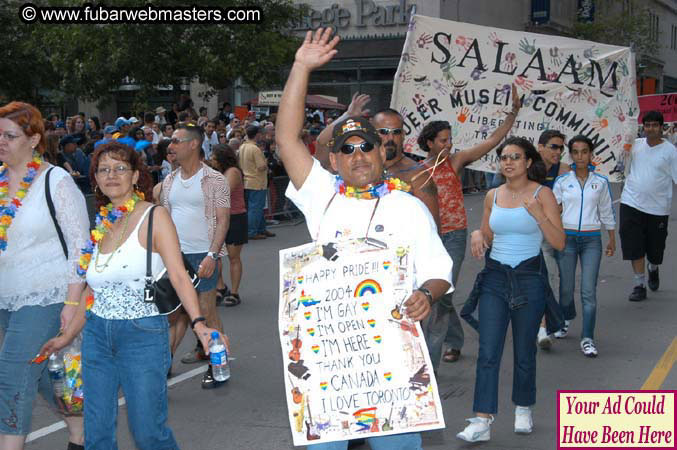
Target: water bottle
(218,356)
(57,373)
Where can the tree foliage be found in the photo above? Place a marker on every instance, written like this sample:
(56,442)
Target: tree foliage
(91,61)
(625,23)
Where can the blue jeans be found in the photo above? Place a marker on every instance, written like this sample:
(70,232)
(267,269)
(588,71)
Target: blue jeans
(406,441)
(23,333)
(443,325)
(256,202)
(509,296)
(589,250)
(134,355)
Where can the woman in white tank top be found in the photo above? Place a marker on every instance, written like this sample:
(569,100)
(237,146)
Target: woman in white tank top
(125,340)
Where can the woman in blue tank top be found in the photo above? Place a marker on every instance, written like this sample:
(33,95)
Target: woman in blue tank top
(513,286)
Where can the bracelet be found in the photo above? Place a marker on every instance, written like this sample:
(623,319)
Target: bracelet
(196,320)
(71,303)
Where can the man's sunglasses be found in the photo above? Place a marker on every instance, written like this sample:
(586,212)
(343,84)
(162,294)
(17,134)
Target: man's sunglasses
(555,147)
(349,149)
(387,131)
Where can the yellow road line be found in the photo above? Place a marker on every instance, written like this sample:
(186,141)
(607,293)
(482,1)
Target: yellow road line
(662,369)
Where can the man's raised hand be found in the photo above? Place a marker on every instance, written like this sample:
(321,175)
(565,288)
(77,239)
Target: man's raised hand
(317,49)
(356,107)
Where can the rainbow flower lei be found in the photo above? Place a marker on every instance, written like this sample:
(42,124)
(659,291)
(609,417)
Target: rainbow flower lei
(104,222)
(8,208)
(371,191)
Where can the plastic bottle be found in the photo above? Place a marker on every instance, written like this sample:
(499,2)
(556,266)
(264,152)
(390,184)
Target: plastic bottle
(57,373)
(219,358)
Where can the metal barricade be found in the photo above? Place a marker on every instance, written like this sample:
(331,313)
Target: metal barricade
(279,209)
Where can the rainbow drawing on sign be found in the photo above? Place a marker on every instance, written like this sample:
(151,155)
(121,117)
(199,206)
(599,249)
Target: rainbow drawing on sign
(377,338)
(386,265)
(365,306)
(311,331)
(316,348)
(371,322)
(307,300)
(323,385)
(364,418)
(299,279)
(307,315)
(368,286)
(388,376)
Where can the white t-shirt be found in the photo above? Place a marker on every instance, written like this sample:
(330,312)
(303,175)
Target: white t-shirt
(208,143)
(648,187)
(399,214)
(188,213)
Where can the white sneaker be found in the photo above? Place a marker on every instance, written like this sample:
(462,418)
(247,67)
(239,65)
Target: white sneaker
(544,341)
(559,334)
(479,430)
(523,421)
(588,348)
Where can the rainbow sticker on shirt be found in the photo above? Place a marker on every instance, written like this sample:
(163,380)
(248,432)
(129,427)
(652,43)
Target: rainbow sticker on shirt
(367,286)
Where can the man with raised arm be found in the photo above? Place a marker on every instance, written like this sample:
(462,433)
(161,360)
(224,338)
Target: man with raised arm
(358,202)
(390,127)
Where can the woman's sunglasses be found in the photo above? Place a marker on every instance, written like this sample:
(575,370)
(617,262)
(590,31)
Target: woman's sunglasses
(513,156)
(349,149)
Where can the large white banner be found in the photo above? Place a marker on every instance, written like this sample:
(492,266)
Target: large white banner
(355,365)
(462,73)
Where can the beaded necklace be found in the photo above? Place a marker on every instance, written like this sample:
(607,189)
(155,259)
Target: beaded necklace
(104,222)
(371,191)
(8,208)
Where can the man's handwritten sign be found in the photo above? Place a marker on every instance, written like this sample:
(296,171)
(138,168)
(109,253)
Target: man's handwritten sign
(355,365)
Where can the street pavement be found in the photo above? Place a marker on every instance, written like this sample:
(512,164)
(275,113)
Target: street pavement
(249,412)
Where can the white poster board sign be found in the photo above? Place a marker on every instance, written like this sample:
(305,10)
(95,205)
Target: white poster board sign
(355,365)
(462,73)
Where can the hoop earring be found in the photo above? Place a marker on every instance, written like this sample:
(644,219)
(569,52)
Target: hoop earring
(96,190)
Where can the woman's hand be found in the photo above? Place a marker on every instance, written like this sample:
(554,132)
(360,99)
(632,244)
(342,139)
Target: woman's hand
(204,333)
(356,107)
(54,345)
(535,208)
(478,244)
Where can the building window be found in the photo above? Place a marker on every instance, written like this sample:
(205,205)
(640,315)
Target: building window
(653,26)
(673,38)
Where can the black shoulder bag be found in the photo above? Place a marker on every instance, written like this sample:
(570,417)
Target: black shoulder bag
(160,290)
(52,213)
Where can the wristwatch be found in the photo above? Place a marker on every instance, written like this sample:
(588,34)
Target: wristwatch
(213,255)
(195,321)
(427,294)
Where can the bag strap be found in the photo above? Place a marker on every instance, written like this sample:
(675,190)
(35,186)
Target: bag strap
(149,248)
(52,213)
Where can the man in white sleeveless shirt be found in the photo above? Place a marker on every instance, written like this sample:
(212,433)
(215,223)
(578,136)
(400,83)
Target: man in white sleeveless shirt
(198,199)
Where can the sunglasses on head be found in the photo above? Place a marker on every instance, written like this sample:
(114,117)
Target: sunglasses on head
(349,149)
(512,156)
(387,131)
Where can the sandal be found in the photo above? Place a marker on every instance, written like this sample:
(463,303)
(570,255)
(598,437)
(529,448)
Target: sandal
(231,300)
(451,355)
(221,294)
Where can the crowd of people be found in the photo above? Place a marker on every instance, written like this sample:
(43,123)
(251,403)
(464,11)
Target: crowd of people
(191,192)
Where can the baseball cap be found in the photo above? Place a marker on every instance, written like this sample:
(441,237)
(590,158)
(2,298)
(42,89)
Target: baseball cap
(69,139)
(354,126)
(121,122)
(110,129)
(160,110)
(133,120)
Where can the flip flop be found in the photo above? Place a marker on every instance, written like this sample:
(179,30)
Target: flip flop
(232,300)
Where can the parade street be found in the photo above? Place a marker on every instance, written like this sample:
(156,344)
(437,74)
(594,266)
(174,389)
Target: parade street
(250,411)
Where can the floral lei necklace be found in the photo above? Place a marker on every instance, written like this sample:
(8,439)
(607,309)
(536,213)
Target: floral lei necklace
(104,222)
(8,208)
(371,191)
